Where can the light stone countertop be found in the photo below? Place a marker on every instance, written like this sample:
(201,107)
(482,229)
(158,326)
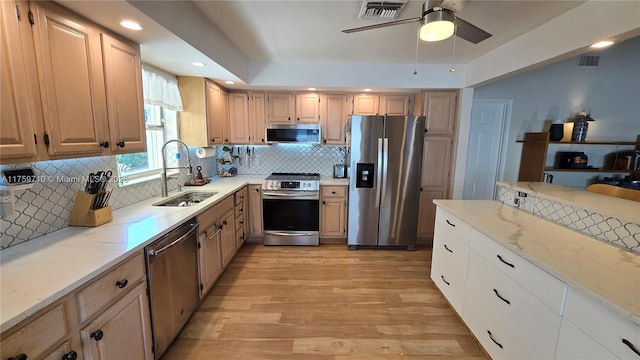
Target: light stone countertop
(607,205)
(609,273)
(38,272)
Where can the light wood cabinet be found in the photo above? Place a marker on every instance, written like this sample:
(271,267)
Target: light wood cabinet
(308,108)
(333,212)
(17,131)
(280,107)
(435,180)
(213,241)
(239,127)
(255,211)
(123,331)
(228,237)
(395,104)
(366,104)
(440,109)
(202,121)
(240,209)
(257,118)
(334,116)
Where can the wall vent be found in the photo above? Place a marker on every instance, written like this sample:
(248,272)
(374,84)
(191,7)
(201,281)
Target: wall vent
(381,9)
(588,60)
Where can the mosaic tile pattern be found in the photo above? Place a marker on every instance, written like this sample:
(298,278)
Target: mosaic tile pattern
(615,231)
(46,207)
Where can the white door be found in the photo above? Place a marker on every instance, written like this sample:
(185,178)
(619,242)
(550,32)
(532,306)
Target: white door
(488,124)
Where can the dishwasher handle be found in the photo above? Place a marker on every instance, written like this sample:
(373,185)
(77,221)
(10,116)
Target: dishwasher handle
(153,253)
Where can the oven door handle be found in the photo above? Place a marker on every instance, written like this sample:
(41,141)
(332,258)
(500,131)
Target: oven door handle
(299,195)
(282,233)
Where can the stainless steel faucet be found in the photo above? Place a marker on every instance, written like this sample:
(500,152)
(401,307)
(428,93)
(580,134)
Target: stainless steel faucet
(165,191)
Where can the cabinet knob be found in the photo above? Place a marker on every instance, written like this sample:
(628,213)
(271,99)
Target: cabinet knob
(98,334)
(323,202)
(224,223)
(122,283)
(105,144)
(298,119)
(213,141)
(325,141)
(71,355)
(19,357)
(333,192)
(257,190)
(289,118)
(120,143)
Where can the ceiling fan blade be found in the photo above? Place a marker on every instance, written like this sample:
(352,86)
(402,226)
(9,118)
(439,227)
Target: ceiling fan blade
(377,26)
(470,32)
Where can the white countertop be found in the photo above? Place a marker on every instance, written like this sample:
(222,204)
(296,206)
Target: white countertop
(38,272)
(608,205)
(609,273)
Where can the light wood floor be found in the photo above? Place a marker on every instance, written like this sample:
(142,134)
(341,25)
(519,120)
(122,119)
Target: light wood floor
(325,302)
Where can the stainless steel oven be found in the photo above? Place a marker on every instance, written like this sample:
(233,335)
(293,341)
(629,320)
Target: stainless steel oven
(291,209)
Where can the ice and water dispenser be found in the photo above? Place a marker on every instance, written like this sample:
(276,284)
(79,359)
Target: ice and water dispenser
(364,175)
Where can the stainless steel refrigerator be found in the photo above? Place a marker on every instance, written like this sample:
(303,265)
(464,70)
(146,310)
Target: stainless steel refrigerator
(384,186)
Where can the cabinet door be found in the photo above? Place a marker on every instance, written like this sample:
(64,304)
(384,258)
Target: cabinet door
(123,331)
(439,107)
(334,115)
(210,258)
(123,80)
(16,129)
(332,218)
(257,118)
(224,115)
(239,118)
(228,240)
(308,108)
(394,104)
(280,107)
(436,163)
(255,210)
(72,81)
(215,126)
(427,212)
(365,104)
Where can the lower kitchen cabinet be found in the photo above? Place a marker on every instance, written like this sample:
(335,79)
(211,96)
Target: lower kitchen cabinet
(240,210)
(255,210)
(333,212)
(123,331)
(228,237)
(209,258)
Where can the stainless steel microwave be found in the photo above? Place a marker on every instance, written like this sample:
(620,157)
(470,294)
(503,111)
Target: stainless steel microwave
(293,133)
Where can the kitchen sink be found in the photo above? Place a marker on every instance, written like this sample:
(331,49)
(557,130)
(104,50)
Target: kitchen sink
(186,199)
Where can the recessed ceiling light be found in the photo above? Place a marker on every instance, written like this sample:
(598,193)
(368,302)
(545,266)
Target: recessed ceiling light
(229,82)
(602,44)
(367,90)
(311,89)
(131,25)
(198,64)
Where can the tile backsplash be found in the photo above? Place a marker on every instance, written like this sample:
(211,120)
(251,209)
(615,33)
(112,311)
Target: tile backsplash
(46,207)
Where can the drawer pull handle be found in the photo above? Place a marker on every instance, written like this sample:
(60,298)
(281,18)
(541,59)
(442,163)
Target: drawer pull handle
(71,355)
(624,341)
(509,264)
(449,250)
(450,224)
(500,297)
(494,340)
(19,357)
(445,281)
(98,334)
(333,192)
(122,283)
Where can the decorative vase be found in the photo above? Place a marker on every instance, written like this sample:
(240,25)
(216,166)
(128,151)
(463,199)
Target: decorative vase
(580,127)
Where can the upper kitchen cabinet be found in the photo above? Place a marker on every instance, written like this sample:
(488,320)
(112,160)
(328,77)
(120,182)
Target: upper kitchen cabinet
(16,128)
(125,106)
(72,86)
(366,104)
(280,107)
(239,118)
(334,115)
(257,118)
(395,104)
(440,109)
(202,121)
(308,108)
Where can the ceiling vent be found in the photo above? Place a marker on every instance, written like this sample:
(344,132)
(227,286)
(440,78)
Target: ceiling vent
(381,9)
(588,60)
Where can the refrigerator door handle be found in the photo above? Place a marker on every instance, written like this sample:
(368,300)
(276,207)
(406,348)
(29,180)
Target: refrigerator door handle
(385,161)
(379,173)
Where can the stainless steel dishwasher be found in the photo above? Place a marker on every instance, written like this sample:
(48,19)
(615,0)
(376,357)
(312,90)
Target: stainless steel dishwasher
(172,272)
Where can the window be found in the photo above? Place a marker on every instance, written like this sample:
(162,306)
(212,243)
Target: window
(161,125)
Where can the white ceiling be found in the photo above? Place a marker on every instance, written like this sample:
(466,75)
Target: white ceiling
(231,35)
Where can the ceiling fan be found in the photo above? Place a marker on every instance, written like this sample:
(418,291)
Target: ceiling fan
(438,23)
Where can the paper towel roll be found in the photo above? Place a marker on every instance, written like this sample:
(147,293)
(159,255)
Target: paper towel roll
(206,152)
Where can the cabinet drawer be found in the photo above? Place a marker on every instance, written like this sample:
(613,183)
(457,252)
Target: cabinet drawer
(514,306)
(495,338)
(239,223)
(604,325)
(333,191)
(213,212)
(450,250)
(449,283)
(60,351)
(541,284)
(574,344)
(38,335)
(457,227)
(108,288)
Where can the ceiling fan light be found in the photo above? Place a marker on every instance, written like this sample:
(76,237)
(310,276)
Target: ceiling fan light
(438,25)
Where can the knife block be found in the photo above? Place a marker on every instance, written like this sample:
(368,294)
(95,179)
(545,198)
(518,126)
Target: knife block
(83,215)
